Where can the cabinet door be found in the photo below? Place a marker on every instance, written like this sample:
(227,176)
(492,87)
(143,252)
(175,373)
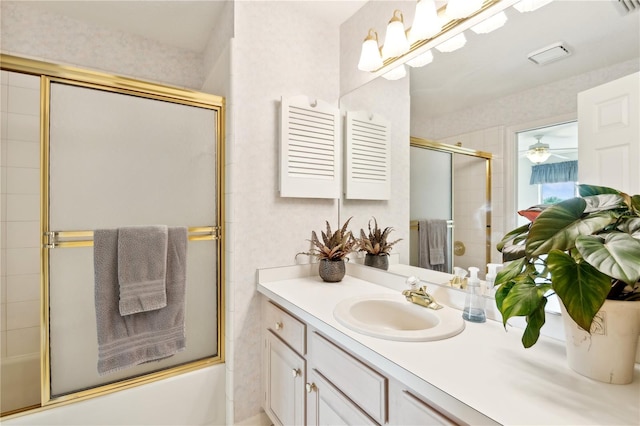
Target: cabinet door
(284,380)
(327,406)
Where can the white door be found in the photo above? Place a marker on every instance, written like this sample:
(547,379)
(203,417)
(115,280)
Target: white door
(609,135)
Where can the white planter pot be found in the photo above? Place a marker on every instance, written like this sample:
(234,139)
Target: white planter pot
(608,354)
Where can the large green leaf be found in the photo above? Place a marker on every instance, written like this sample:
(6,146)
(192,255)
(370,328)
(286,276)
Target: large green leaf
(586,190)
(535,321)
(631,226)
(510,271)
(558,226)
(602,202)
(522,299)
(580,286)
(516,236)
(618,256)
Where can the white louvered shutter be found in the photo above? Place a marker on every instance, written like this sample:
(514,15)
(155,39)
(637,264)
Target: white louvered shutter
(309,149)
(368,156)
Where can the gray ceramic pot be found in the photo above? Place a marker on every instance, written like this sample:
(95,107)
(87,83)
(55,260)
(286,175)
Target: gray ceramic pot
(377,261)
(331,271)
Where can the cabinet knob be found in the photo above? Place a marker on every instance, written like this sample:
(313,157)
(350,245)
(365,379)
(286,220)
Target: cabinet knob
(311,387)
(295,372)
(279,325)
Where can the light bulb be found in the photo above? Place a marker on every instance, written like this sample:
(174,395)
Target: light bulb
(454,43)
(421,60)
(426,23)
(395,41)
(396,73)
(370,59)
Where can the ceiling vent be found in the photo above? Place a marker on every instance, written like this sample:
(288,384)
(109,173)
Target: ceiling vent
(549,54)
(628,6)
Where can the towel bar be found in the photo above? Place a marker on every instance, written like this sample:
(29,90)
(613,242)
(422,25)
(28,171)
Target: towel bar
(414,224)
(62,239)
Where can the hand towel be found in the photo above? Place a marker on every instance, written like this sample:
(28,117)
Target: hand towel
(126,341)
(437,241)
(142,260)
(423,244)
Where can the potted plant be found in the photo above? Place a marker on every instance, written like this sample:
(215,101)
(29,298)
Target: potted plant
(332,250)
(586,250)
(376,246)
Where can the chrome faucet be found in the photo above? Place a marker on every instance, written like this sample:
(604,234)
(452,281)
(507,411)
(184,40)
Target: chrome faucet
(419,295)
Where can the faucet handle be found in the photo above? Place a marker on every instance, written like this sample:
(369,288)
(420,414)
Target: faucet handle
(413,282)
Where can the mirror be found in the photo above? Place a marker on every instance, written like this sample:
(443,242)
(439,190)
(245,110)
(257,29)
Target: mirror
(484,93)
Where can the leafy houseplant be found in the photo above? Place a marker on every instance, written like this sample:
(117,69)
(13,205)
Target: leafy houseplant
(585,250)
(376,246)
(332,250)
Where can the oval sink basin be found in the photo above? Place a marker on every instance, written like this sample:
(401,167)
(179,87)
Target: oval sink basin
(392,317)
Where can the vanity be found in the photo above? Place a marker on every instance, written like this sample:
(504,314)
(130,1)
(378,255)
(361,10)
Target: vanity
(317,370)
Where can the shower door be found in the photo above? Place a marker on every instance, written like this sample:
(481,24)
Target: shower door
(117,158)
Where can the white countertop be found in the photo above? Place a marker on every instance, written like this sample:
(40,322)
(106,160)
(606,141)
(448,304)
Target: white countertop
(484,367)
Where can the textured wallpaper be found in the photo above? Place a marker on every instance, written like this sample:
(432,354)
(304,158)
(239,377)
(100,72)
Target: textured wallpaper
(31,33)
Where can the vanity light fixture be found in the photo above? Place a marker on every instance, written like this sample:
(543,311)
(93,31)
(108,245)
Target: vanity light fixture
(454,43)
(370,59)
(396,74)
(421,60)
(426,22)
(530,5)
(430,25)
(490,24)
(458,9)
(395,41)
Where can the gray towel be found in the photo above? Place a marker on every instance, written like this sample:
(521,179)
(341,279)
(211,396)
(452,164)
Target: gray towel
(423,245)
(126,341)
(142,261)
(437,241)
(432,244)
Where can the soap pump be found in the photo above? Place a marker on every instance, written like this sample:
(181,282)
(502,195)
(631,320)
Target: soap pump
(474,303)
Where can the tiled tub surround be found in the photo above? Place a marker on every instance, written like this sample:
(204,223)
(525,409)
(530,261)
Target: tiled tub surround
(20,221)
(481,375)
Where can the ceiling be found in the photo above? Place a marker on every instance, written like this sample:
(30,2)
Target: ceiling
(181,23)
(494,65)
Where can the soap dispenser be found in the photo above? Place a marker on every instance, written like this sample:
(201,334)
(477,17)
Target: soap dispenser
(492,271)
(474,302)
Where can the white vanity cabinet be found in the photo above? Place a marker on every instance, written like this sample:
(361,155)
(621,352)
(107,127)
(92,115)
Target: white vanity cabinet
(284,367)
(309,379)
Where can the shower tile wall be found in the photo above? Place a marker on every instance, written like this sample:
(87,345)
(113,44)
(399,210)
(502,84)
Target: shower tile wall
(20,215)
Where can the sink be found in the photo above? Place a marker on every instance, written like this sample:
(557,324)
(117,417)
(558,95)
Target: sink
(392,317)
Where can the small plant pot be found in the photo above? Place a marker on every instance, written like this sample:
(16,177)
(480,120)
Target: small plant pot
(377,261)
(331,271)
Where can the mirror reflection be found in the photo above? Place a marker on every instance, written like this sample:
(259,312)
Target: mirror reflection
(488,96)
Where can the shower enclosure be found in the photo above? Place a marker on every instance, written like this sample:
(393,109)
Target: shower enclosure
(97,151)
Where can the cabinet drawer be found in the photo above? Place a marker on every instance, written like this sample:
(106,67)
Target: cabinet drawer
(285,326)
(326,405)
(408,409)
(363,385)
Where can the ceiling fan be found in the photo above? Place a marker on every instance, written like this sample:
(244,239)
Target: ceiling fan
(539,152)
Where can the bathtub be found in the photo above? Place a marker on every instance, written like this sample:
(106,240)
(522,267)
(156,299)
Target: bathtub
(20,377)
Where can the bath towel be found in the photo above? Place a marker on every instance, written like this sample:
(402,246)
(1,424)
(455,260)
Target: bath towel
(126,341)
(142,261)
(437,243)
